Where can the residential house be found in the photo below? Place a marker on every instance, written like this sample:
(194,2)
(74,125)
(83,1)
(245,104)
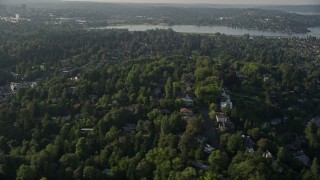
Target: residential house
(33,84)
(186,112)
(71,90)
(129,128)
(224,104)
(226,100)
(223,121)
(66,118)
(316,121)
(131,108)
(208,148)
(275,121)
(107,172)
(302,157)
(267,154)
(226,94)
(86,130)
(76,78)
(79,117)
(200,139)
(165,111)
(221,117)
(248,143)
(200,166)
(15,86)
(187,101)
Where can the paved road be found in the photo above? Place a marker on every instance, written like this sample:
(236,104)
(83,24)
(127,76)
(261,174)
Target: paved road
(209,127)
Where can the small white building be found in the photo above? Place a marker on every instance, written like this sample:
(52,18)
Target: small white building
(267,154)
(86,130)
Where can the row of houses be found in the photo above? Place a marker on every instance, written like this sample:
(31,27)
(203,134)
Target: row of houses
(14,19)
(15,86)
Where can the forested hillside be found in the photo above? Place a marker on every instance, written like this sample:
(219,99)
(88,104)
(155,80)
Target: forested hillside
(156,105)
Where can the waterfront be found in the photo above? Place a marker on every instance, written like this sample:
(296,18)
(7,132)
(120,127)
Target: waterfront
(215,29)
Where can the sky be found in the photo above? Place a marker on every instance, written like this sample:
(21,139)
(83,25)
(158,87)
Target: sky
(282,2)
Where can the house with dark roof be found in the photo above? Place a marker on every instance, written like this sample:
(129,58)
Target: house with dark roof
(248,143)
(275,121)
(188,101)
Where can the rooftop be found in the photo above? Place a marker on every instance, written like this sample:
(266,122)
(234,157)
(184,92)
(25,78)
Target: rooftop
(220,115)
(185,110)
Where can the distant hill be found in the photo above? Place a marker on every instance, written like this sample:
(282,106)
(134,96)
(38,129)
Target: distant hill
(28,1)
(302,9)
(295,9)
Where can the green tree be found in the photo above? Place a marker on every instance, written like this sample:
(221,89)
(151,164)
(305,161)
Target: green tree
(312,135)
(132,80)
(69,160)
(263,143)
(144,169)
(89,172)
(315,168)
(218,160)
(235,142)
(81,148)
(169,88)
(208,93)
(26,172)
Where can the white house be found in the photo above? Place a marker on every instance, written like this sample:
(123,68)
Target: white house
(86,130)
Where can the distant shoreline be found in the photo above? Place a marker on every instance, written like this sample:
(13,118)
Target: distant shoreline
(186,3)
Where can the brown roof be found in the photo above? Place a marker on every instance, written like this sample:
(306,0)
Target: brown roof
(220,115)
(185,110)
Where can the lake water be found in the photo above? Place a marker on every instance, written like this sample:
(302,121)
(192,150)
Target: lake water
(215,29)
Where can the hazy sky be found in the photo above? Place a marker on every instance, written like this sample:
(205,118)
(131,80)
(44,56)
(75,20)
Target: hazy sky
(286,2)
